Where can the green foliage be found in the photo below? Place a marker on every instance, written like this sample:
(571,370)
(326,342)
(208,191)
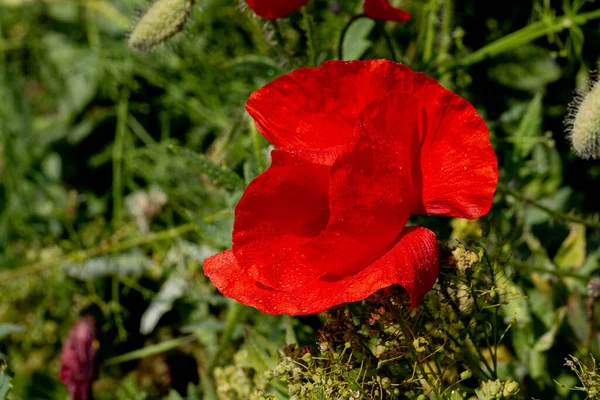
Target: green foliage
(5,382)
(120,170)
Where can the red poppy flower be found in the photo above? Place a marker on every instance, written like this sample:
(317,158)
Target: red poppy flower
(272,9)
(78,359)
(361,146)
(376,9)
(382,10)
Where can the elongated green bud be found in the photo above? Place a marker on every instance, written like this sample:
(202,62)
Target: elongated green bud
(583,123)
(163,20)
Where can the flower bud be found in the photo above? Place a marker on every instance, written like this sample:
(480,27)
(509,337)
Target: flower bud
(583,123)
(163,20)
(78,359)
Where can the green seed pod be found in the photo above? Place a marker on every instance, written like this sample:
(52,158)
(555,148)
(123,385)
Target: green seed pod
(163,20)
(583,123)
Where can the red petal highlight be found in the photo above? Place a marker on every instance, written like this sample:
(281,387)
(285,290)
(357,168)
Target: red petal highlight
(382,10)
(370,196)
(319,107)
(458,164)
(411,263)
(272,9)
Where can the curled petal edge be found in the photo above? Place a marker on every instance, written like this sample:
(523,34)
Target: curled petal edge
(412,263)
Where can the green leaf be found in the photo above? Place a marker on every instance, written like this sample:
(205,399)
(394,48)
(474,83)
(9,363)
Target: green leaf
(546,341)
(127,264)
(173,289)
(571,254)
(355,42)
(5,383)
(528,68)
(556,201)
(576,315)
(529,128)
(220,175)
(8,329)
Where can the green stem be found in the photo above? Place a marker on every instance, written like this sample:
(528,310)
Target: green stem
(415,356)
(151,350)
(104,248)
(281,41)
(430,31)
(234,316)
(446,36)
(118,159)
(310,37)
(557,272)
(388,40)
(557,214)
(521,37)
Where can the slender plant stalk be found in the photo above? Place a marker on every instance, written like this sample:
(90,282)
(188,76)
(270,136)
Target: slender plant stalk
(148,351)
(388,40)
(429,31)
(521,37)
(446,35)
(310,37)
(557,214)
(118,159)
(557,272)
(104,248)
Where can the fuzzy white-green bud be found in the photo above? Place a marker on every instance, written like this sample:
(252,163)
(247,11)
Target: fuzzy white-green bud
(583,123)
(163,20)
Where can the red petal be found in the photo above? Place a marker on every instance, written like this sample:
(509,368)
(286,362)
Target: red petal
(279,212)
(370,196)
(459,167)
(383,11)
(319,107)
(411,263)
(272,9)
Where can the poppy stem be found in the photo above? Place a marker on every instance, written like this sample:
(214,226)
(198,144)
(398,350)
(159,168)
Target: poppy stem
(310,37)
(431,8)
(388,40)
(446,36)
(554,213)
(118,159)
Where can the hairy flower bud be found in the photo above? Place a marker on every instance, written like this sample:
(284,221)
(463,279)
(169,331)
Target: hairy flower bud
(583,123)
(78,359)
(163,20)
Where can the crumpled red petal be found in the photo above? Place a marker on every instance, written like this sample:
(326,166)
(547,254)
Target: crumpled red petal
(361,145)
(272,9)
(382,10)
(369,198)
(318,108)
(411,263)
(458,164)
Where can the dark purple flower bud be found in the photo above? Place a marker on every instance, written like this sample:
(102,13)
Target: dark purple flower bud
(78,359)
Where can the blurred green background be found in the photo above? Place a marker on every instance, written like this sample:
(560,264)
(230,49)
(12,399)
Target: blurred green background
(119,172)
